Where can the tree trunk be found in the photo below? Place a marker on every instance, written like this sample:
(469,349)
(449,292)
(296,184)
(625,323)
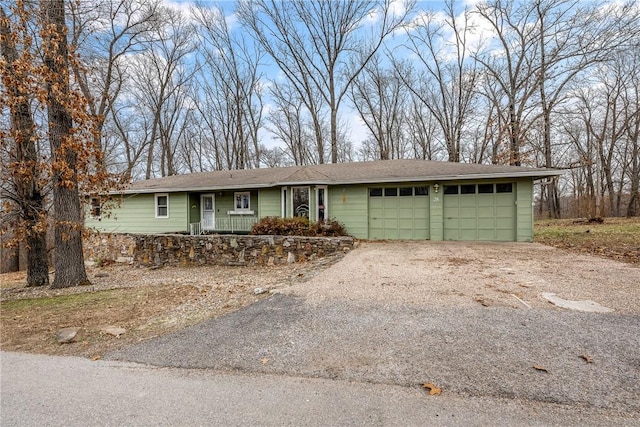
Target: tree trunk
(27,190)
(69,259)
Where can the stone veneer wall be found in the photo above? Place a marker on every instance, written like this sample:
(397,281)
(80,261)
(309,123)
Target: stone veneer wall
(176,249)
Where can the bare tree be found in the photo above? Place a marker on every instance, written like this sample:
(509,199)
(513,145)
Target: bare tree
(231,81)
(161,75)
(289,124)
(513,70)
(104,33)
(381,100)
(447,85)
(571,38)
(321,47)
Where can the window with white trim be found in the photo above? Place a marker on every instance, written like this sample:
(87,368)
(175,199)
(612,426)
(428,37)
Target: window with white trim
(162,205)
(242,201)
(300,201)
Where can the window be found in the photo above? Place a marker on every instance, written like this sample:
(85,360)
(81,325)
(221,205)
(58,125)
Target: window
(300,199)
(375,192)
(162,205)
(421,191)
(284,202)
(406,191)
(96,207)
(242,201)
(504,188)
(321,203)
(468,189)
(485,188)
(390,192)
(450,189)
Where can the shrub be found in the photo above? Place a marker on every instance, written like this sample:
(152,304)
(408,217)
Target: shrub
(298,226)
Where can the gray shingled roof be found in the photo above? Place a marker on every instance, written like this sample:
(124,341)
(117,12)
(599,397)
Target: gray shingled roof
(335,174)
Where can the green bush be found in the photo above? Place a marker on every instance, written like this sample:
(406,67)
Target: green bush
(298,226)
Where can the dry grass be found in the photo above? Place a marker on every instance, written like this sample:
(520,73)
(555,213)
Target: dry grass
(147,303)
(615,238)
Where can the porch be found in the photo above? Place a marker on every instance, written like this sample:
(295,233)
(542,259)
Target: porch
(231,224)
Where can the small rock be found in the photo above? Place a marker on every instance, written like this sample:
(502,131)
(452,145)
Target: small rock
(102,275)
(67,335)
(259,291)
(113,330)
(291,258)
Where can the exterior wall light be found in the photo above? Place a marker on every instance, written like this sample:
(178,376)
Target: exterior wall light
(436,187)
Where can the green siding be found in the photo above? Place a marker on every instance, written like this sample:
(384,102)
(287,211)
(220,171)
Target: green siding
(348,204)
(479,216)
(436,213)
(136,214)
(269,203)
(524,210)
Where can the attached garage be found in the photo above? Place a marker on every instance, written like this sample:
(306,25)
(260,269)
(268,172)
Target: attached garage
(485,211)
(399,212)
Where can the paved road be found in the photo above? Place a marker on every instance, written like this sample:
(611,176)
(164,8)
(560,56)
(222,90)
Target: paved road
(476,352)
(66,391)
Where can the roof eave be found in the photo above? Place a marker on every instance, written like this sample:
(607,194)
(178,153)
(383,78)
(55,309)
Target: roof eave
(535,174)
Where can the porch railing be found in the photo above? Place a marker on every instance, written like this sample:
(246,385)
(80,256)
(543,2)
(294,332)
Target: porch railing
(229,224)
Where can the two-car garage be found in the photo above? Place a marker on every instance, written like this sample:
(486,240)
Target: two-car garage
(478,211)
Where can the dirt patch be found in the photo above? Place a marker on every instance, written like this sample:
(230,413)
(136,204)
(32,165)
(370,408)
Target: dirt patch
(147,303)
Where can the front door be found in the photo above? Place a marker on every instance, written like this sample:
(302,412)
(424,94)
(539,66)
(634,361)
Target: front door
(208,215)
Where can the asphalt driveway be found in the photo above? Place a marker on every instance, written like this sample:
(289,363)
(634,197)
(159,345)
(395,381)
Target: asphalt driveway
(468,317)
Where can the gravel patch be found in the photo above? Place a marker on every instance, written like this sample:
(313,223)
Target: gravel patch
(467,317)
(460,274)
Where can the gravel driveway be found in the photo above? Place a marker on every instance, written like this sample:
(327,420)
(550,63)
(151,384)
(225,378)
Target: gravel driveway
(468,317)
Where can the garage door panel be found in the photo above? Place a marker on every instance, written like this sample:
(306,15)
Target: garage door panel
(399,213)
(505,235)
(504,199)
(390,203)
(486,200)
(468,212)
(468,223)
(405,213)
(486,235)
(504,211)
(376,203)
(486,223)
(480,216)
(451,234)
(504,224)
(486,212)
(468,200)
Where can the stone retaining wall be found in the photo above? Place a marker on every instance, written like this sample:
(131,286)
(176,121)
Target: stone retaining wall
(175,249)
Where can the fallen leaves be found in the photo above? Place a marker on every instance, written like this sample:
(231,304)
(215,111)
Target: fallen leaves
(434,390)
(587,358)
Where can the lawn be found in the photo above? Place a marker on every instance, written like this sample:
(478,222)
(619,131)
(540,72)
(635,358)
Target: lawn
(615,238)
